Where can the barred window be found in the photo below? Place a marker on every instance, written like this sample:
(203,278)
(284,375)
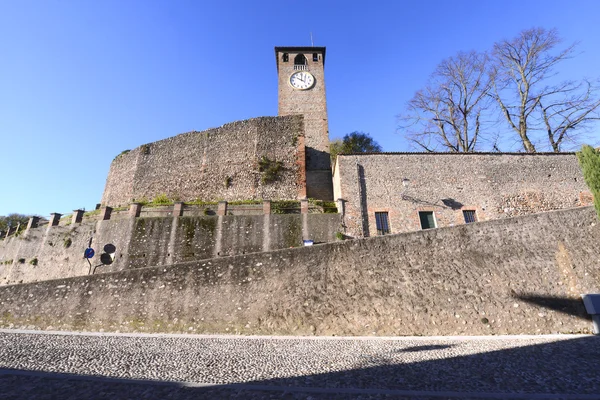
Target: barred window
(382,222)
(470,216)
(286,57)
(427,219)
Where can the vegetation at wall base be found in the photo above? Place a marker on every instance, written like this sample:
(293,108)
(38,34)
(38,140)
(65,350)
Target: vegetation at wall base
(328,207)
(160,200)
(199,202)
(244,202)
(285,207)
(589,161)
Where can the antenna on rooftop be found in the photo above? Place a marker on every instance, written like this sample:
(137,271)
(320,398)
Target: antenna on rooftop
(311,40)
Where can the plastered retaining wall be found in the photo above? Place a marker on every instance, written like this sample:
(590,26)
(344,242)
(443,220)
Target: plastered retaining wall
(509,276)
(216,164)
(143,242)
(494,185)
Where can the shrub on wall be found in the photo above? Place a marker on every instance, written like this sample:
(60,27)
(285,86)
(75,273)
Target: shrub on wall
(589,161)
(285,207)
(270,169)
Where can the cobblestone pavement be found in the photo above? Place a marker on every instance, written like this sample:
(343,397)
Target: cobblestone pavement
(118,366)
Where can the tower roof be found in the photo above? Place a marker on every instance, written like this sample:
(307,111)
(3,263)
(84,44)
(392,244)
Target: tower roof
(295,49)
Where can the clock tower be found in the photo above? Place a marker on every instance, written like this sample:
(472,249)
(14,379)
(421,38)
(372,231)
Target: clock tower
(301,73)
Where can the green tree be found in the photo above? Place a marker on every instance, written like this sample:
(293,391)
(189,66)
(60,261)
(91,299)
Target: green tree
(12,220)
(355,142)
(589,161)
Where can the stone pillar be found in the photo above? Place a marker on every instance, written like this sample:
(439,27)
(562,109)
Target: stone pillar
(178,209)
(340,206)
(54,220)
(33,222)
(105,213)
(222,208)
(135,209)
(266,207)
(77,216)
(304,206)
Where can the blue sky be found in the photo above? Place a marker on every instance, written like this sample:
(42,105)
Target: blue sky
(81,81)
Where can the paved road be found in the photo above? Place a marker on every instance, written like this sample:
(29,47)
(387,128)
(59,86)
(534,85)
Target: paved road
(116,366)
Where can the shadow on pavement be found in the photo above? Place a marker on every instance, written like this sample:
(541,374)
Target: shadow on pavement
(561,369)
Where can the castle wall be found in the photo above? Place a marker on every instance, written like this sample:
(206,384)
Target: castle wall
(216,164)
(493,185)
(519,275)
(152,241)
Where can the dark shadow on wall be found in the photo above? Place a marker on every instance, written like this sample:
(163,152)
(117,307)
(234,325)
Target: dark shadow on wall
(453,204)
(362,187)
(317,159)
(564,305)
(563,368)
(446,203)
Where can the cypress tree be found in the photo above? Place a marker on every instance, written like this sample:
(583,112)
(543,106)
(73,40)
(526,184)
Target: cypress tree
(589,161)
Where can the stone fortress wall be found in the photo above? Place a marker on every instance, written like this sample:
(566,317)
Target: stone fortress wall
(161,236)
(521,275)
(217,164)
(494,185)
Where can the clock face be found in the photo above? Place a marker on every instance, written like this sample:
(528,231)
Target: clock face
(302,80)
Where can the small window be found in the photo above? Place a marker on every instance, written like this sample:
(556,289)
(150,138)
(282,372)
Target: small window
(286,57)
(427,219)
(315,57)
(470,216)
(382,222)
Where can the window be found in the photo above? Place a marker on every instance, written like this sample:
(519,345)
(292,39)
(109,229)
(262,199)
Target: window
(315,57)
(383,225)
(286,57)
(300,60)
(427,219)
(470,216)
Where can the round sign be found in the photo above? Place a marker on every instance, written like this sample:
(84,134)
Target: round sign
(88,253)
(106,259)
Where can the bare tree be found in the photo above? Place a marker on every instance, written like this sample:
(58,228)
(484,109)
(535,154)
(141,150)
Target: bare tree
(448,112)
(522,74)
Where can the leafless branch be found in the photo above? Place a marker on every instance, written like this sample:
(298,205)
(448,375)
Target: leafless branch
(447,113)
